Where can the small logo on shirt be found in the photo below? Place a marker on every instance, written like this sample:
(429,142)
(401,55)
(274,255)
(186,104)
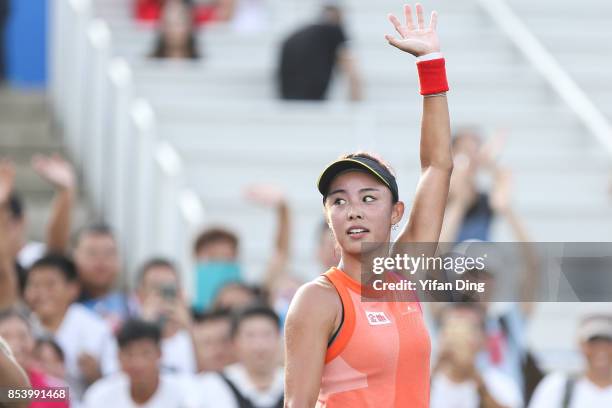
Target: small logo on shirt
(409,309)
(377,318)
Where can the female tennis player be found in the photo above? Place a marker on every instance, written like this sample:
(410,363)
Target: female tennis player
(341,351)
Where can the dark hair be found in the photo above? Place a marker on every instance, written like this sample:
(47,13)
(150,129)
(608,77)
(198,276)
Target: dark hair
(161,47)
(93,229)
(16,207)
(254,311)
(155,263)
(138,329)
(211,316)
(49,341)
(61,263)
(214,235)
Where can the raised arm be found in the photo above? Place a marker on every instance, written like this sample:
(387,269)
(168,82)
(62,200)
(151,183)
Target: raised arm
(9,287)
(59,173)
(500,202)
(427,213)
(461,196)
(348,64)
(272,197)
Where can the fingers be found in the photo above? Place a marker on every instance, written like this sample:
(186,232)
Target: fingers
(433,22)
(420,18)
(392,40)
(408,17)
(396,23)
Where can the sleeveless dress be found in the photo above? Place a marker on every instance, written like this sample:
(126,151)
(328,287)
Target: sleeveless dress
(380,356)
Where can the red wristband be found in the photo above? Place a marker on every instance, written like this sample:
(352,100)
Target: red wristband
(432,76)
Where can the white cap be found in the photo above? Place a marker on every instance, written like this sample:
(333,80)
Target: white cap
(595,326)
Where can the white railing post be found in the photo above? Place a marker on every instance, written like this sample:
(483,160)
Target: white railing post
(80,14)
(120,160)
(192,217)
(169,186)
(58,23)
(543,61)
(95,147)
(144,184)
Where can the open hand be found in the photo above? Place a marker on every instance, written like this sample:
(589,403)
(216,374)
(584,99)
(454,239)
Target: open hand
(55,170)
(7,179)
(265,194)
(416,40)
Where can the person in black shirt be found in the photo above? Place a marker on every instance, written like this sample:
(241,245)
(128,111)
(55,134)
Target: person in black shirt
(309,56)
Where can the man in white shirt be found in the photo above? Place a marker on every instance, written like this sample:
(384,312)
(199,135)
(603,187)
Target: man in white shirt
(160,300)
(593,388)
(96,254)
(457,382)
(140,383)
(256,381)
(89,348)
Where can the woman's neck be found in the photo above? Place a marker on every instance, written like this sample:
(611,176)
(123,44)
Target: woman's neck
(351,265)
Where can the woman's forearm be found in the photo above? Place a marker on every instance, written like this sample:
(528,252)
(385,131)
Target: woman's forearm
(435,148)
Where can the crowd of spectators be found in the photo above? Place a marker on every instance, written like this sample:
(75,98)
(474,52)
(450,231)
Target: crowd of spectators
(70,322)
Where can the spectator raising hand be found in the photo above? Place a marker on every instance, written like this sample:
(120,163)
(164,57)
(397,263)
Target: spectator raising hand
(265,194)
(60,174)
(273,197)
(55,170)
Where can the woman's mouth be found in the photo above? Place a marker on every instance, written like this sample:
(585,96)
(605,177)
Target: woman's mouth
(357,232)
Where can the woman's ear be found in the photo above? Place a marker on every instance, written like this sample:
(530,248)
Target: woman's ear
(397,212)
(326,215)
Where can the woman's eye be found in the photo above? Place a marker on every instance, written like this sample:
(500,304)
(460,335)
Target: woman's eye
(338,201)
(369,199)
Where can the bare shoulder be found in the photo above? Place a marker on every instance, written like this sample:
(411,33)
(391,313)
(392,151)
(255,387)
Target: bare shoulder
(316,302)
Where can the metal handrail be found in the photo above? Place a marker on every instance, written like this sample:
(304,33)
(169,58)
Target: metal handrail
(547,65)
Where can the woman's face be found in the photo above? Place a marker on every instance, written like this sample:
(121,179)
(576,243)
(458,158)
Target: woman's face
(18,336)
(360,209)
(176,24)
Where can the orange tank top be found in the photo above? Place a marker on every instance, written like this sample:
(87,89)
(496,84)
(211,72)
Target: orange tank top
(380,356)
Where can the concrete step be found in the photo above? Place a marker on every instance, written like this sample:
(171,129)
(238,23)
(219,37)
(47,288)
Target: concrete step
(26,129)
(26,133)
(25,106)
